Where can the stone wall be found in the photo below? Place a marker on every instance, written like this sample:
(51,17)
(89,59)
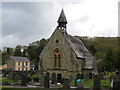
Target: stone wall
(70,65)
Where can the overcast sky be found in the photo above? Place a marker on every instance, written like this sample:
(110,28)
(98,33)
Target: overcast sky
(26,22)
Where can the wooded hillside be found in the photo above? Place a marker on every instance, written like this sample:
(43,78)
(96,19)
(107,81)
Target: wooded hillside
(106,49)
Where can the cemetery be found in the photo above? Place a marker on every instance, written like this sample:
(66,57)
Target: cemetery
(61,62)
(27,80)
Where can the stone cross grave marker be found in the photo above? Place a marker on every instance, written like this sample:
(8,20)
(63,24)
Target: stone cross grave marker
(46,80)
(66,83)
(116,82)
(96,82)
(24,79)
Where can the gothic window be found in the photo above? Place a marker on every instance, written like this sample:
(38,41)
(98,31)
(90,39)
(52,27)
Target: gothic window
(57,58)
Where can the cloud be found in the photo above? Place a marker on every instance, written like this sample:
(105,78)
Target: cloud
(25,22)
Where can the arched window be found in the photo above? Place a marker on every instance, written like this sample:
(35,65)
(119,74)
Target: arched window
(57,58)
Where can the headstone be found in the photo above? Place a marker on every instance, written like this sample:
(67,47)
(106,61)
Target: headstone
(46,81)
(90,75)
(96,82)
(36,79)
(66,83)
(53,78)
(117,73)
(116,85)
(48,74)
(79,76)
(59,78)
(29,79)
(24,79)
(112,77)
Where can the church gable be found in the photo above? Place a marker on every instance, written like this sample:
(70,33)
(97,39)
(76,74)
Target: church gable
(58,52)
(64,53)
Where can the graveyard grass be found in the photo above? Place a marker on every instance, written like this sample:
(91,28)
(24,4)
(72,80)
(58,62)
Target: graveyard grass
(5,79)
(89,83)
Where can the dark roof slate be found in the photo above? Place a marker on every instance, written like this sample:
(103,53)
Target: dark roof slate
(62,17)
(20,59)
(81,50)
(78,46)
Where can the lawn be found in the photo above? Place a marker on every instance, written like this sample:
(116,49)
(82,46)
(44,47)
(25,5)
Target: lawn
(89,83)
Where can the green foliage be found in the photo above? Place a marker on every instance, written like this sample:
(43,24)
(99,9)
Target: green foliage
(98,46)
(6,53)
(18,50)
(93,49)
(105,83)
(35,50)
(4,79)
(102,45)
(90,83)
(87,83)
(109,61)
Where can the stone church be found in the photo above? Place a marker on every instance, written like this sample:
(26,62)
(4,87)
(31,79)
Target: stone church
(64,54)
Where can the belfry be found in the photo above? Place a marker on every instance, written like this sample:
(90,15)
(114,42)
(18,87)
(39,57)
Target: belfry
(65,55)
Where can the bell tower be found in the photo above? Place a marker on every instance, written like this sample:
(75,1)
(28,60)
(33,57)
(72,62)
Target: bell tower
(62,21)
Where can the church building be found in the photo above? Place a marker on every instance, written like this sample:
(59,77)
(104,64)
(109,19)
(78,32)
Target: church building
(64,54)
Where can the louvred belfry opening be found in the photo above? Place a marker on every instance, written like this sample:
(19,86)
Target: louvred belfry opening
(62,21)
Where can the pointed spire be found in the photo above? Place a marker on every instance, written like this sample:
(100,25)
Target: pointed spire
(62,21)
(62,17)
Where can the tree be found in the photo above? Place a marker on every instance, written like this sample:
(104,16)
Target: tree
(109,61)
(24,53)
(93,49)
(35,50)
(39,50)
(6,53)
(18,50)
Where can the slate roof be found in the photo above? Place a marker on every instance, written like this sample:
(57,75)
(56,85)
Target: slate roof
(81,50)
(20,59)
(62,17)
(78,46)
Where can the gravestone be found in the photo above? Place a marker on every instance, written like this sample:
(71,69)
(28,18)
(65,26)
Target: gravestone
(66,83)
(29,79)
(46,81)
(79,76)
(117,73)
(53,78)
(48,74)
(96,82)
(116,85)
(59,78)
(90,75)
(116,82)
(36,79)
(24,79)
